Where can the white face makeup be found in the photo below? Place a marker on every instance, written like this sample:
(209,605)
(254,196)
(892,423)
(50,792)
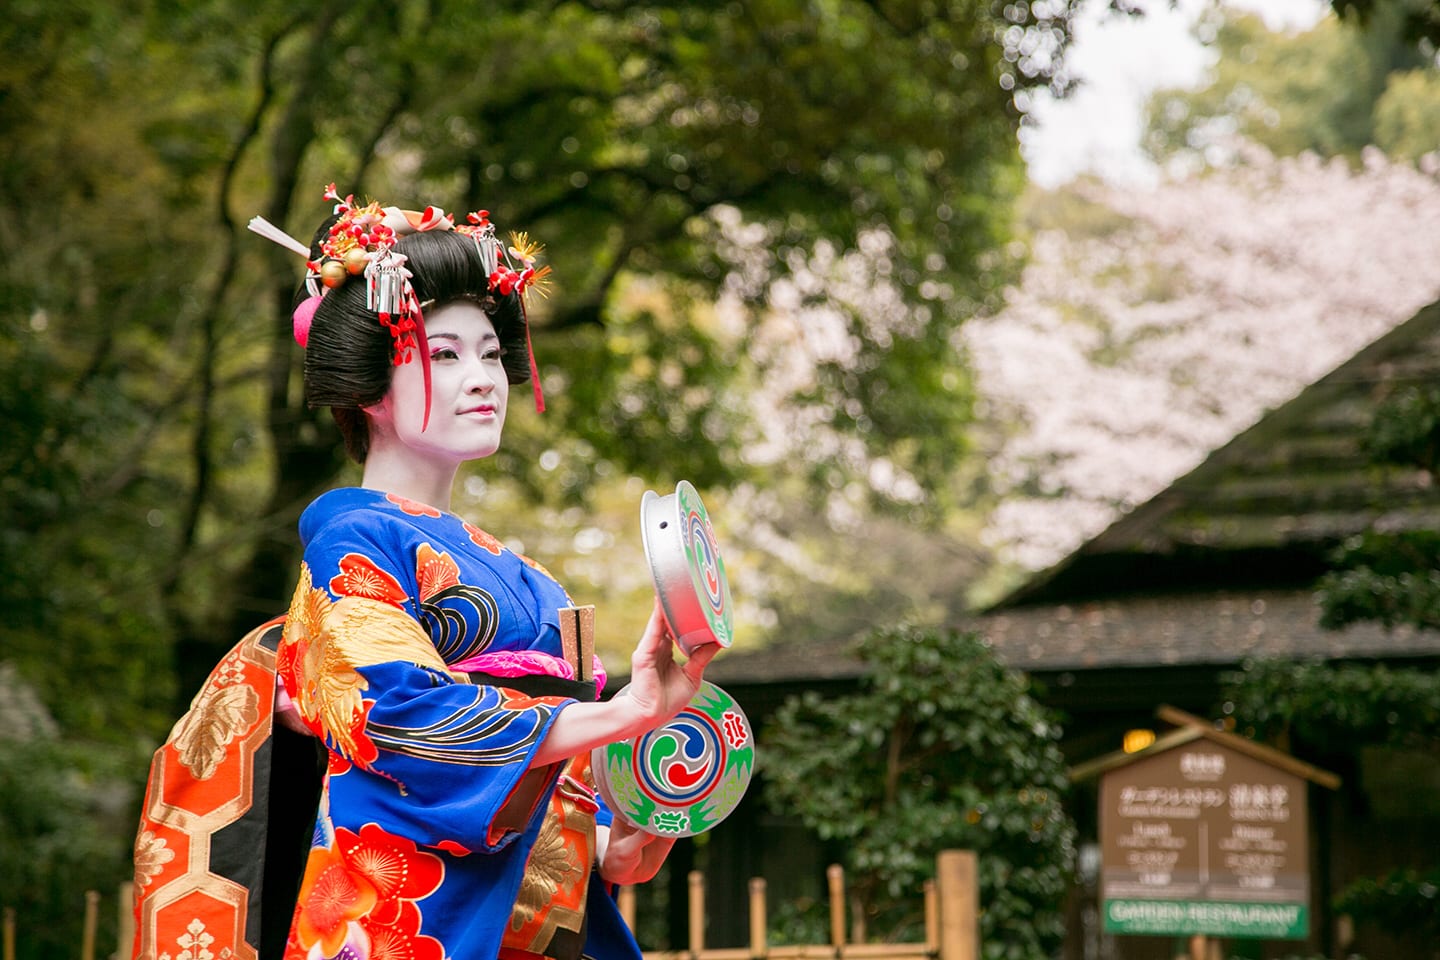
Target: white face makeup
(468,391)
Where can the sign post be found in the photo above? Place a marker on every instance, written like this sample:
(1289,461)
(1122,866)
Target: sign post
(1202,839)
(1205,834)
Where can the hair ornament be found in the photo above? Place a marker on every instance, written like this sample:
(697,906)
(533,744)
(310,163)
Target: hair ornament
(301,319)
(361,244)
(505,279)
(274,234)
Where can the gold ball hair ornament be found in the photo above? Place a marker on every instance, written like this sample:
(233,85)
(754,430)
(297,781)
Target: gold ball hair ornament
(361,243)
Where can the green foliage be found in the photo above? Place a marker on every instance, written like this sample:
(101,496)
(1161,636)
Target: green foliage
(1402,900)
(803,920)
(1407,115)
(658,389)
(1339,706)
(1406,429)
(1389,578)
(74,564)
(66,826)
(942,747)
(1392,578)
(1419,19)
(1312,706)
(1283,90)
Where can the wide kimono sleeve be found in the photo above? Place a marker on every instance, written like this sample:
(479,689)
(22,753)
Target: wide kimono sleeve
(412,745)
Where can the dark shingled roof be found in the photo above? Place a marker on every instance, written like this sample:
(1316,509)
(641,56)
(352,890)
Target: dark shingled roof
(1267,506)
(1216,628)
(1220,566)
(1167,630)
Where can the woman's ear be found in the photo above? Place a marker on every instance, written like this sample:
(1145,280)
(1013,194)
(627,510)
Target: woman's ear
(378,412)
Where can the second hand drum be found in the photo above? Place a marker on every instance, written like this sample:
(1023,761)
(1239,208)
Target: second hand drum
(686,566)
(684,777)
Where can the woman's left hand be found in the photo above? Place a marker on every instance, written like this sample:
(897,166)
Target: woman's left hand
(660,687)
(629,855)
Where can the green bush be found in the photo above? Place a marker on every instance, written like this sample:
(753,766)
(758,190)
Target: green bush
(942,747)
(67,825)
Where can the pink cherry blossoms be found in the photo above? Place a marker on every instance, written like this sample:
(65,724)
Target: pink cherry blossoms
(1137,343)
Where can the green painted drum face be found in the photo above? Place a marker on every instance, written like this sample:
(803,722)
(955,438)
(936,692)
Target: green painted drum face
(682,778)
(688,570)
(707,569)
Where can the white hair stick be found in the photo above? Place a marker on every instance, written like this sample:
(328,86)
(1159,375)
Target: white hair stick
(273,233)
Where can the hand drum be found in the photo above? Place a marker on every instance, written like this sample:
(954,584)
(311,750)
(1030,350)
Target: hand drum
(686,566)
(682,778)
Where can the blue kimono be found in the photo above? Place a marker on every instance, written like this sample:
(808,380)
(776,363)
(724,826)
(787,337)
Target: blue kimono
(428,659)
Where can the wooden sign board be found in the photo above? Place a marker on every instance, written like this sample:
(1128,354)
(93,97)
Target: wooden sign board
(1203,839)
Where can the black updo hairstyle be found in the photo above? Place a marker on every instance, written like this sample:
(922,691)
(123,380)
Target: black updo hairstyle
(349,353)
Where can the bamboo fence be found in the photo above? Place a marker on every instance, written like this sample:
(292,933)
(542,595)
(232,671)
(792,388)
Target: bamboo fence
(952,914)
(951,922)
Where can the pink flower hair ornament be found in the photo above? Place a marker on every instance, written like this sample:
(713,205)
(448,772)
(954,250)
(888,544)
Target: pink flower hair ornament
(361,244)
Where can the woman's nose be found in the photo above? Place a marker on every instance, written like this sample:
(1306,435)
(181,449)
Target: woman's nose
(480,378)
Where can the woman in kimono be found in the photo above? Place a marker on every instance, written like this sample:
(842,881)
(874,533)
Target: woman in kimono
(457,817)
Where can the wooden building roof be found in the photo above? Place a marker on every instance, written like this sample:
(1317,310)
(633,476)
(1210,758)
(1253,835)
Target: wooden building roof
(1268,506)
(1188,729)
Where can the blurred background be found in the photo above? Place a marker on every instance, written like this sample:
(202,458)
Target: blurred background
(921,295)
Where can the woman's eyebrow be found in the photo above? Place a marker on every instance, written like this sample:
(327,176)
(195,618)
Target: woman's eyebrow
(445,335)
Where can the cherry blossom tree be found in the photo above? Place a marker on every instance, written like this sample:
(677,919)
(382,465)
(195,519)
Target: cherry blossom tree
(1150,326)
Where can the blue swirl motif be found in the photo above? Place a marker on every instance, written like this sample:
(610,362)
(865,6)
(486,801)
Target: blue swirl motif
(461,620)
(705,554)
(478,732)
(680,763)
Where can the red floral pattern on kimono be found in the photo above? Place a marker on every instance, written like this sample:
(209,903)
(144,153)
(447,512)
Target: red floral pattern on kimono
(425,845)
(482,539)
(360,577)
(413,507)
(364,891)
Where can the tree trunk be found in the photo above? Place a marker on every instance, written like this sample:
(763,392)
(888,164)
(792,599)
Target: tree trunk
(306,446)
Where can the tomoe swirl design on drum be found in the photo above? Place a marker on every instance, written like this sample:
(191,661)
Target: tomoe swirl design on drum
(684,777)
(680,763)
(707,559)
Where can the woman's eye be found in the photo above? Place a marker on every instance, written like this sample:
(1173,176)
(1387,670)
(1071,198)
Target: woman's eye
(444,353)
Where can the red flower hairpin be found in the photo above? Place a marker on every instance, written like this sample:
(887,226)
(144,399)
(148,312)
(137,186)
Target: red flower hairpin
(361,243)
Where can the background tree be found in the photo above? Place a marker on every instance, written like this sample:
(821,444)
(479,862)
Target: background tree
(1280,90)
(941,747)
(1331,713)
(693,161)
(696,170)
(1149,327)
(63,805)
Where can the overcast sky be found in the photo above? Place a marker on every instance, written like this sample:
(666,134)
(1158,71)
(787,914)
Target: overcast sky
(1121,61)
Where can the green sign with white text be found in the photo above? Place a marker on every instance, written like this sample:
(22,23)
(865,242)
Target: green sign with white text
(1202,838)
(1281,921)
